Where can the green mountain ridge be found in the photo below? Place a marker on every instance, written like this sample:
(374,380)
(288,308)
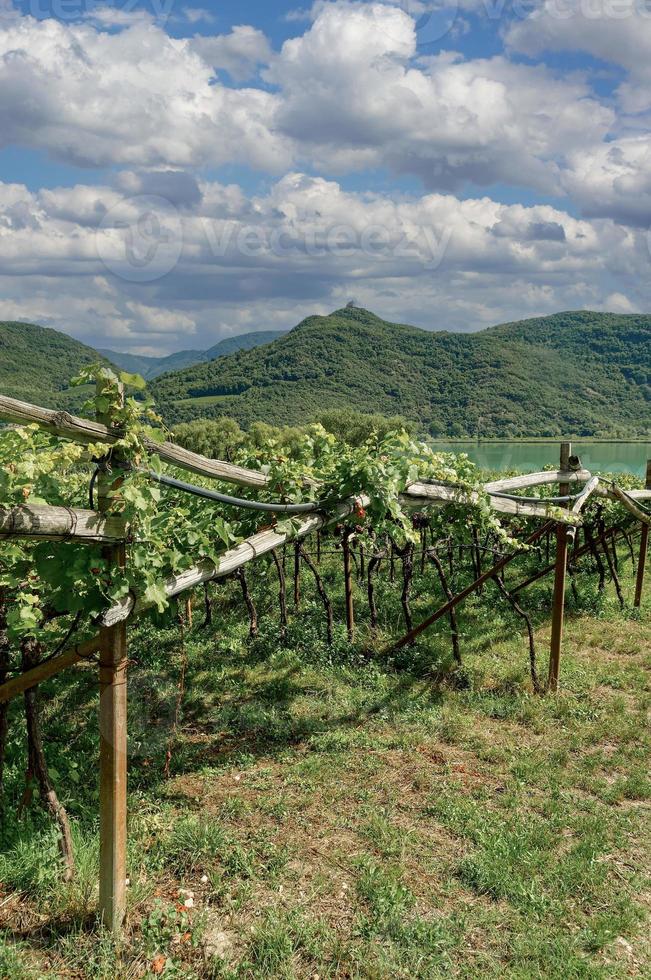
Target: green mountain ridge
(37,363)
(577,373)
(152,367)
(574,373)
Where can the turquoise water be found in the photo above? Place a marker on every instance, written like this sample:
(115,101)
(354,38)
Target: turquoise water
(524,457)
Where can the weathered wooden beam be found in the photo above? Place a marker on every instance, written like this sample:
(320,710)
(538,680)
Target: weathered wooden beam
(59,423)
(175,455)
(82,430)
(580,502)
(48,668)
(629,504)
(435,494)
(45,523)
(633,494)
(582,498)
(605,490)
(113,776)
(348,588)
(253,547)
(641,566)
(540,479)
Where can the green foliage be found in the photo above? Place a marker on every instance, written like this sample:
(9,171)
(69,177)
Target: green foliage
(215,438)
(48,579)
(162,924)
(59,585)
(356,428)
(578,373)
(36,364)
(222,438)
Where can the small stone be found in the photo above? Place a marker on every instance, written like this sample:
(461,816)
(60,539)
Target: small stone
(189,902)
(218,942)
(204,879)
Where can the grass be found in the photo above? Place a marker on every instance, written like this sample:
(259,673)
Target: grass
(335,816)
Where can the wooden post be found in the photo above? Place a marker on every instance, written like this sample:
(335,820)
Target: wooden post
(297,575)
(348,585)
(560,574)
(113,742)
(644,545)
(188,610)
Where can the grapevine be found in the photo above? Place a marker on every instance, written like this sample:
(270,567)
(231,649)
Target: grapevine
(168,532)
(54,592)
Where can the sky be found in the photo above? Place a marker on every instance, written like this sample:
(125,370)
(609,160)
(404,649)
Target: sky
(172,174)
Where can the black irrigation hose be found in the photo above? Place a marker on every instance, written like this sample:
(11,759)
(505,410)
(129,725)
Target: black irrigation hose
(533,500)
(91,489)
(278,508)
(224,498)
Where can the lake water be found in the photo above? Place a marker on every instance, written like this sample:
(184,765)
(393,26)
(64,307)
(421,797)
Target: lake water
(524,457)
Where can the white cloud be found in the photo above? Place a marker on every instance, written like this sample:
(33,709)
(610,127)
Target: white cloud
(352,98)
(162,321)
(241,263)
(114,17)
(614,31)
(347,96)
(618,303)
(195,15)
(351,91)
(135,97)
(240,53)
(178,187)
(613,180)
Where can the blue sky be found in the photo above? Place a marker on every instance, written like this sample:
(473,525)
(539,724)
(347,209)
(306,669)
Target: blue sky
(172,174)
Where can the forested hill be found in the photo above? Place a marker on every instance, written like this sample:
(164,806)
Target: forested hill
(37,363)
(579,373)
(151,367)
(575,373)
